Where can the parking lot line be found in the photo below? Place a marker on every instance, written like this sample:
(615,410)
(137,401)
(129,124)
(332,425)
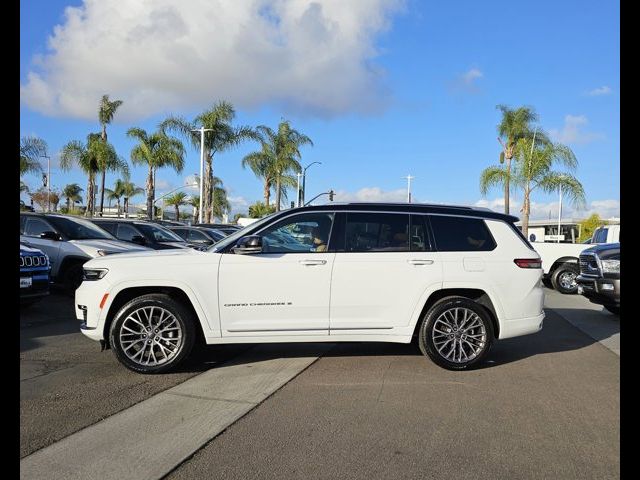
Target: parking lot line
(151,438)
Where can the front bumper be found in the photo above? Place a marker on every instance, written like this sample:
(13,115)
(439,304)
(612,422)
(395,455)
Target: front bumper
(603,291)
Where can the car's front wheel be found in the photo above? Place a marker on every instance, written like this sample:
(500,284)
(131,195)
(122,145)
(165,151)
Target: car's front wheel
(456,333)
(152,334)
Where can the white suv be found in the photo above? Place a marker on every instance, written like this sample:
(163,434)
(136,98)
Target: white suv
(455,278)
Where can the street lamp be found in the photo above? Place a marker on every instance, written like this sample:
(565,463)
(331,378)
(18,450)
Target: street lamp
(48,182)
(409,178)
(202,130)
(304,177)
(188,185)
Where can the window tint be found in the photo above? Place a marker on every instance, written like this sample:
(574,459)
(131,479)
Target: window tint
(377,232)
(307,232)
(601,235)
(158,233)
(127,232)
(419,238)
(181,232)
(197,236)
(108,226)
(459,234)
(36,226)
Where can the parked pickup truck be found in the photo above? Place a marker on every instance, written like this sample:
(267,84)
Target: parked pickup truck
(599,278)
(560,260)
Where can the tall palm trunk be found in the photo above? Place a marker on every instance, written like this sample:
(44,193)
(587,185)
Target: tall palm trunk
(277,194)
(526,210)
(177,213)
(118,208)
(104,172)
(125,206)
(68,204)
(90,197)
(267,192)
(506,187)
(150,192)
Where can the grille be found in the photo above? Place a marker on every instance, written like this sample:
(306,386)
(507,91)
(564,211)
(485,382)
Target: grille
(589,265)
(34,261)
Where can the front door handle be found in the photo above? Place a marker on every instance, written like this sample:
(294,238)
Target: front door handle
(420,261)
(312,262)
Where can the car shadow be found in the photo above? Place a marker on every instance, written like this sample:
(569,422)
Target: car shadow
(557,335)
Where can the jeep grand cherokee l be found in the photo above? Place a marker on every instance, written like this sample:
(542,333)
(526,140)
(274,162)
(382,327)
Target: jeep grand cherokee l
(457,278)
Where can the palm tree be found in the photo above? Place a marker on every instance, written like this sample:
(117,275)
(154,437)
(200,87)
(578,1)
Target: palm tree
(116,194)
(31,149)
(176,200)
(515,125)
(534,171)
(222,137)
(105,115)
(221,203)
(155,150)
(72,193)
(194,201)
(89,156)
(278,158)
(259,210)
(129,190)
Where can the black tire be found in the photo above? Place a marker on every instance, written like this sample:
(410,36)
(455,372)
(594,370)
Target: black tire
(433,317)
(184,344)
(564,278)
(615,309)
(72,277)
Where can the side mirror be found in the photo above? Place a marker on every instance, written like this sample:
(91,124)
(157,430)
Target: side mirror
(49,235)
(140,240)
(248,244)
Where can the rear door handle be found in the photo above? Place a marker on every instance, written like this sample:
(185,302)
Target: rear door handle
(312,262)
(419,261)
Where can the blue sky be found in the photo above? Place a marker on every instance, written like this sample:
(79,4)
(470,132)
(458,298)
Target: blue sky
(409,87)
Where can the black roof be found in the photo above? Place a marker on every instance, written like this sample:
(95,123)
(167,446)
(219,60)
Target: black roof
(409,208)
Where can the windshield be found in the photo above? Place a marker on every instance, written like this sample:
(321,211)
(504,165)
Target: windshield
(78,229)
(233,238)
(158,233)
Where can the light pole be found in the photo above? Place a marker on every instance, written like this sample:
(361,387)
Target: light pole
(48,182)
(304,178)
(298,190)
(188,185)
(202,130)
(409,178)
(559,214)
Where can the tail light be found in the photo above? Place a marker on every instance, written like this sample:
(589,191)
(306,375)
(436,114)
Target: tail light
(528,262)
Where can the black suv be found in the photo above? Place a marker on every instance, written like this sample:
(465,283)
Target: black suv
(142,232)
(199,235)
(599,278)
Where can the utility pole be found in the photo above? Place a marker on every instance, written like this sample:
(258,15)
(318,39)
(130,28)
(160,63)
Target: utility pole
(299,193)
(304,178)
(202,130)
(409,178)
(559,214)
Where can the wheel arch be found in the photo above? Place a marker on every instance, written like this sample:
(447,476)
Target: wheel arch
(478,295)
(68,261)
(177,293)
(560,261)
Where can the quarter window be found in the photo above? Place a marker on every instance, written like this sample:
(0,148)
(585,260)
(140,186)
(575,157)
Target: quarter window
(197,236)
(378,232)
(461,234)
(300,234)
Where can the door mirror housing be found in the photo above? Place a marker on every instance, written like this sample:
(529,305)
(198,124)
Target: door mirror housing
(249,244)
(139,239)
(49,235)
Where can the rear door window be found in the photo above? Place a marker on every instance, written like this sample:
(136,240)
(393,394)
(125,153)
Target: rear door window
(377,232)
(108,226)
(36,226)
(461,234)
(127,232)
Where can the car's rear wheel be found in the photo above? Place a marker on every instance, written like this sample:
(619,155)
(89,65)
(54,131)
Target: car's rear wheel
(564,278)
(152,334)
(456,333)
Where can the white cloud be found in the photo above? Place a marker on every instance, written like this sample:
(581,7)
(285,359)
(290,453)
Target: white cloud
(596,92)
(370,194)
(543,211)
(467,82)
(303,55)
(571,132)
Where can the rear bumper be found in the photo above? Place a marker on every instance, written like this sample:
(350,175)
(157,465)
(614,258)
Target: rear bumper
(603,291)
(521,326)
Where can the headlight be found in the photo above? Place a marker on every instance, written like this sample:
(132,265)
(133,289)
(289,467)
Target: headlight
(611,266)
(90,274)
